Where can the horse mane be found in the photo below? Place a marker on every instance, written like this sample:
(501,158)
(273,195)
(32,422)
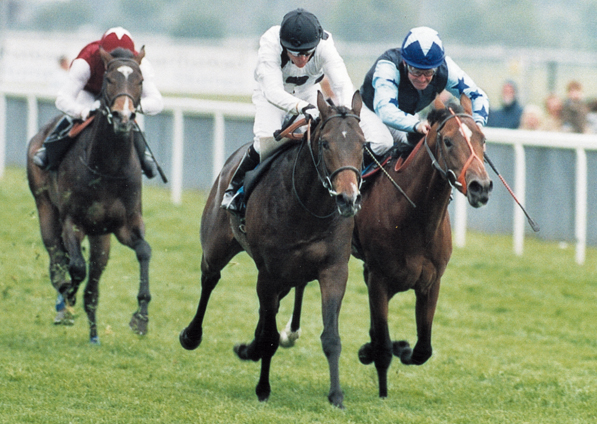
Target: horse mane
(438,115)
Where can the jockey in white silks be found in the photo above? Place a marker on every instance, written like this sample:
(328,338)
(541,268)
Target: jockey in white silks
(292,60)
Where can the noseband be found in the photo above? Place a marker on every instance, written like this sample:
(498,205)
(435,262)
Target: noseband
(457,182)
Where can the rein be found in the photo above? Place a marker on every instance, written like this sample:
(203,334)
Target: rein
(457,182)
(326,179)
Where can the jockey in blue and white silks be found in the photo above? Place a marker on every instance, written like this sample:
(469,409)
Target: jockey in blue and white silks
(403,81)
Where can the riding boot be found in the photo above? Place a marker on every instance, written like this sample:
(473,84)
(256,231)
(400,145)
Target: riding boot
(233,198)
(148,164)
(55,145)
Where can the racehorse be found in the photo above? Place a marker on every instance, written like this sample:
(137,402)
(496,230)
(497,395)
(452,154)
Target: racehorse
(298,228)
(96,192)
(404,236)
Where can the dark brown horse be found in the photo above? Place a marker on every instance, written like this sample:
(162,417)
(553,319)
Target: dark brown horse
(299,223)
(405,238)
(96,191)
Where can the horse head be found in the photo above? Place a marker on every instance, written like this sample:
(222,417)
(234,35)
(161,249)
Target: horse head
(123,85)
(339,141)
(459,145)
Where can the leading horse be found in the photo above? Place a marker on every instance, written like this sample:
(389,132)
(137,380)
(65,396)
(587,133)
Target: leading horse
(298,228)
(96,191)
(403,231)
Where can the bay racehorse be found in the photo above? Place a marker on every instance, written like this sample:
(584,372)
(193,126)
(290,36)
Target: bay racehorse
(96,192)
(404,235)
(298,228)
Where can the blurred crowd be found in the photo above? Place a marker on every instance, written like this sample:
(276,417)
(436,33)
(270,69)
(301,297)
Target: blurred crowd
(573,113)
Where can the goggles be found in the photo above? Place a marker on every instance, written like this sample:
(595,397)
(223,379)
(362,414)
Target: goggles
(416,72)
(301,52)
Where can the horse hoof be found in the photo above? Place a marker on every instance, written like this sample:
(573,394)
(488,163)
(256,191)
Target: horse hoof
(139,323)
(94,341)
(336,400)
(187,342)
(366,354)
(263,393)
(288,338)
(403,351)
(65,316)
(242,351)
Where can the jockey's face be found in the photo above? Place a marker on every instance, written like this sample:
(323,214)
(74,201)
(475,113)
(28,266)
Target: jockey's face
(299,61)
(419,78)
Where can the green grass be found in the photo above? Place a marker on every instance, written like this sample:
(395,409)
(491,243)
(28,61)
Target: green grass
(515,338)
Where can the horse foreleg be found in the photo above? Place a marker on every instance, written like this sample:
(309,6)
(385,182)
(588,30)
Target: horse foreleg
(133,237)
(190,337)
(379,350)
(333,285)
(99,251)
(292,331)
(140,318)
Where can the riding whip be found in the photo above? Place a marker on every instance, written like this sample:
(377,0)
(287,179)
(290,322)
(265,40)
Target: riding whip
(162,174)
(532,223)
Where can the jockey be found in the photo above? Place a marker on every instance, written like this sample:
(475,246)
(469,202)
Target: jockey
(79,96)
(291,62)
(403,81)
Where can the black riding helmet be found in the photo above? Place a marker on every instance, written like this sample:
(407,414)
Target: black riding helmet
(300,30)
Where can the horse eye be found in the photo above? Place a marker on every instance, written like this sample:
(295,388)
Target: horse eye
(448,142)
(325,144)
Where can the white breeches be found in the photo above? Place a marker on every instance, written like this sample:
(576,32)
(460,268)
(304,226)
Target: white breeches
(379,135)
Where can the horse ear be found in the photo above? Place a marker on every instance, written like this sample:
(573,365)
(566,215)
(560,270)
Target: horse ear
(321,103)
(106,57)
(466,104)
(438,104)
(357,103)
(140,56)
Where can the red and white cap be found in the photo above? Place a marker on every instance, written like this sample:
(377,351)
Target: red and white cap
(117,37)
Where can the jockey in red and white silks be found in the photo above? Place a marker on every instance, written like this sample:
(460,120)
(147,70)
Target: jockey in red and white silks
(78,96)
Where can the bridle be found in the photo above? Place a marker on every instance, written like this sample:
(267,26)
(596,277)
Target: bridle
(326,178)
(107,101)
(457,182)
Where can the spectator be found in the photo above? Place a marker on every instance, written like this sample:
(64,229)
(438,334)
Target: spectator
(553,118)
(574,110)
(532,118)
(592,117)
(508,116)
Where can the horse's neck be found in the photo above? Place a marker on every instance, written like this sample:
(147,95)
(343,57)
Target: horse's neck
(426,187)
(105,149)
(305,180)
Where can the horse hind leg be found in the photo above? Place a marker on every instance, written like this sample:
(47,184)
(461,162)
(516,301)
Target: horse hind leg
(266,341)
(290,334)
(99,252)
(425,311)
(58,268)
